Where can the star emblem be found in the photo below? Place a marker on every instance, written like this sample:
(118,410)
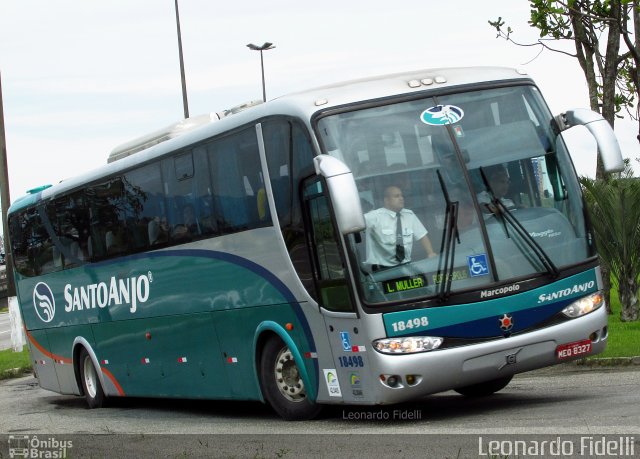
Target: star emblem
(506,322)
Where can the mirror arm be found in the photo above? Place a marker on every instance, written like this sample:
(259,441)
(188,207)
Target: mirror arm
(343,192)
(602,132)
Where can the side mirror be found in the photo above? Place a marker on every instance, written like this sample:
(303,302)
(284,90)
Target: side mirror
(343,192)
(601,130)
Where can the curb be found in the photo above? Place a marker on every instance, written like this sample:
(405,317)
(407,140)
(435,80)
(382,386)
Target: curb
(609,362)
(15,373)
(593,364)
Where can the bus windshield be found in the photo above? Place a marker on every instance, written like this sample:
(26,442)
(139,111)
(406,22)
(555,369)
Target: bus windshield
(464,191)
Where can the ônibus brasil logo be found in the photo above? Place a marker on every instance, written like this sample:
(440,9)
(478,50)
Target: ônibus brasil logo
(43,302)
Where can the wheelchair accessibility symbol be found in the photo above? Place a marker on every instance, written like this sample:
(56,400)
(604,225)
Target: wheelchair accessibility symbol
(478,265)
(346,341)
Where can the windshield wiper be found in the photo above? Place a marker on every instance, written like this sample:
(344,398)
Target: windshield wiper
(447,246)
(508,218)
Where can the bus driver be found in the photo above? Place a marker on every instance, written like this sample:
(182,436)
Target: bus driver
(391,231)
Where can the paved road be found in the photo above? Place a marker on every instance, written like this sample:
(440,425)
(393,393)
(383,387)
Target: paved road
(564,404)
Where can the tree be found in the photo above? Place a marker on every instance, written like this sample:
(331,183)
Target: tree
(614,206)
(607,50)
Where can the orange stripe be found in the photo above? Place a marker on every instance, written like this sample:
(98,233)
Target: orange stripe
(56,358)
(113,380)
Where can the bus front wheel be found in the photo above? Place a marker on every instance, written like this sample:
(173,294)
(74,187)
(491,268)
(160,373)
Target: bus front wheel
(282,384)
(93,391)
(485,388)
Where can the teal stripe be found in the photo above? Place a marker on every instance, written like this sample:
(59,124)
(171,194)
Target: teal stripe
(569,288)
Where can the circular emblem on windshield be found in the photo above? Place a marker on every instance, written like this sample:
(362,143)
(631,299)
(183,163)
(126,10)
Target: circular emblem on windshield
(43,302)
(441,115)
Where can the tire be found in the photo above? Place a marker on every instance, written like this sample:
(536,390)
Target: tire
(484,389)
(91,385)
(281,383)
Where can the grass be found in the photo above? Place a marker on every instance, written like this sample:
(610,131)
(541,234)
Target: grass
(14,364)
(624,337)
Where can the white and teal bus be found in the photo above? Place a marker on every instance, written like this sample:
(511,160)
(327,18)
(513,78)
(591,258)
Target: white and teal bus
(233,261)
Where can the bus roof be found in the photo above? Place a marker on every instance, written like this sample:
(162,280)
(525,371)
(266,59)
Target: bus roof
(303,104)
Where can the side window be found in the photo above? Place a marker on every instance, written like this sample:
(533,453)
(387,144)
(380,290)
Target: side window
(277,144)
(69,221)
(290,158)
(329,268)
(237,182)
(106,203)
(31,244)
(144,211)
(179,185)
(303,154)
(206,212)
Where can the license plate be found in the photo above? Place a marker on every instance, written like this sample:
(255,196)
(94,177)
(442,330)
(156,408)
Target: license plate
(569,350)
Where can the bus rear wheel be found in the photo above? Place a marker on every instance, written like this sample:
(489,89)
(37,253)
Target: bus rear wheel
(485,388)
(282,385)
(91,385)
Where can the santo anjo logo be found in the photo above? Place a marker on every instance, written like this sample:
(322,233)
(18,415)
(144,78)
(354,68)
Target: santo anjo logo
(43,302)
(441,115)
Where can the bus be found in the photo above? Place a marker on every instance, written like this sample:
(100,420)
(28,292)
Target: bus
(236,260)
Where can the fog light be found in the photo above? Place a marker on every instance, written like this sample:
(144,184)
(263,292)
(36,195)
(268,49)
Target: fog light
(411,379)
(392,381)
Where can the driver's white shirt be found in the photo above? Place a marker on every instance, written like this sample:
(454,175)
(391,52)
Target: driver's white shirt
(381,235)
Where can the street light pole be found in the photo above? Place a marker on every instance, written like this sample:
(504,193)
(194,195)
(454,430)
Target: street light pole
(5,198)
(185,104)
(267,46)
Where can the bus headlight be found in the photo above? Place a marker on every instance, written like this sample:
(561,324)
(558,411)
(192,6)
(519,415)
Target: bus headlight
(407,344)
(584,305)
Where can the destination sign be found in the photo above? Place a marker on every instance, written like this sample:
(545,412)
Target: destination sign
(402,284)
(455,275)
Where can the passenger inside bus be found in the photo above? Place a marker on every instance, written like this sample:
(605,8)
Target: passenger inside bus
(158,231)
(115,241)
(391,231)
(189,226)
(499,182)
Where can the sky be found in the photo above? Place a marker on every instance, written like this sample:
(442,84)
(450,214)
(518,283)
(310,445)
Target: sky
(80,77)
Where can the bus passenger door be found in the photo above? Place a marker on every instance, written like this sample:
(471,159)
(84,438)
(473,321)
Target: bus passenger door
(347,343)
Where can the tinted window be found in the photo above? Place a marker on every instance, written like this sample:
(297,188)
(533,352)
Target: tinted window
(32,245)
(213,189)
(237,182)
(68,221)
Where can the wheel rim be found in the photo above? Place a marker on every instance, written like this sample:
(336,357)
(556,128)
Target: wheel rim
(288,378)
(90,377)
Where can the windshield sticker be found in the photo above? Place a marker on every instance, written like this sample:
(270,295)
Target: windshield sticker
(441,115)
(478,265)
(457,130)
(333,386)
